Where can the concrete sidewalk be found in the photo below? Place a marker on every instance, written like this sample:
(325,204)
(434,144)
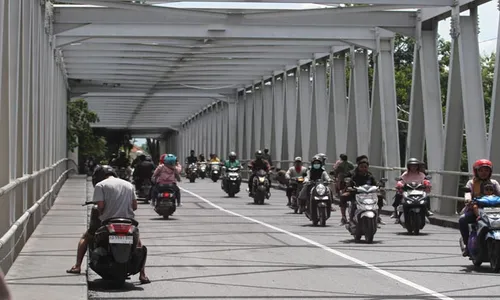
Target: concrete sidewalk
(39,271)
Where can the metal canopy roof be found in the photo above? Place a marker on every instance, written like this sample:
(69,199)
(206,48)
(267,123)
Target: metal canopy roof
(141,66)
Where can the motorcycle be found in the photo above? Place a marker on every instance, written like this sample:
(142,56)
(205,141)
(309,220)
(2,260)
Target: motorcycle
(193,172)
(232,182)
(413,209)
(261,186)
(165,201)
(215,171)
(296,184)
(319,205)
(202,171)
(113,252)
(365,209)
(145,191)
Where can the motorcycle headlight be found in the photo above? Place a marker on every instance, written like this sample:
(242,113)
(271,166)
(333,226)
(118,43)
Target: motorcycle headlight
(422,201)
(320,189)
(261,179)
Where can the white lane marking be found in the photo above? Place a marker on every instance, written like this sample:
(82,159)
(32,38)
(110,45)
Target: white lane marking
(326,248)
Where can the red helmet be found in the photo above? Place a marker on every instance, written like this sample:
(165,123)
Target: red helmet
(482,163)
(162,158)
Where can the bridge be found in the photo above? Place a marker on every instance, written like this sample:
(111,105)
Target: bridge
(313,78)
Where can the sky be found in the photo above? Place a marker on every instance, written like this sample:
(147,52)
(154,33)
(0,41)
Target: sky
(488,21)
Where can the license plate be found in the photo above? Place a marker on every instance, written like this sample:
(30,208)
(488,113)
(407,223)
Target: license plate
(116,239)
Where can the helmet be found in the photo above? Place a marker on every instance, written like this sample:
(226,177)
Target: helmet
(298,159)
(139,153)
(148,158)
(482,163)
(258,154)
(266,150)
(170,159)
(101,172)
(122,153)
(413,162)
(343,156)
(232,155)
(162,158)
(323,157)
(316,158)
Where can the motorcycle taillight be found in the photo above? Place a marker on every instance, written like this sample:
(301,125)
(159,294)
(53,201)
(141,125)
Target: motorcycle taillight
(120,228)
(166,195)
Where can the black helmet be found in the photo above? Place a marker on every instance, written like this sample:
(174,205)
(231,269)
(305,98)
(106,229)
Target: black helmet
(258,154)
(232,155)
(343,156)
(101,172)
(266,150)
(414,162)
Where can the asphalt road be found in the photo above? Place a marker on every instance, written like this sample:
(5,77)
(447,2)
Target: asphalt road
(237,250)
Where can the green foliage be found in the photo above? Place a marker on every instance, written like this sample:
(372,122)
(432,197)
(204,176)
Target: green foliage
(80,134)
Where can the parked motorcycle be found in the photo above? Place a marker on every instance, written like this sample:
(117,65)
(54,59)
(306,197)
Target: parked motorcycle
(413,209)
(319,206)
(296,184)
(202,170)
(113,253)
(365,209)
(215,171)
(232,182)
(193,172)
(261,186)
(166,198)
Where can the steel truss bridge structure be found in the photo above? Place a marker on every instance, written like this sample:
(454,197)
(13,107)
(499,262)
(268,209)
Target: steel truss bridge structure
(218,80)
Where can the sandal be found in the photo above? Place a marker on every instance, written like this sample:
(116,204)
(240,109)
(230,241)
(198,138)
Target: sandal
(73,270)
(144,280)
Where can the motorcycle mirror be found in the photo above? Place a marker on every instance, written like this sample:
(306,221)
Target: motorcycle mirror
(428,177)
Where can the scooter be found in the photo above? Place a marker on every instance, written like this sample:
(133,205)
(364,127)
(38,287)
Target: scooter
(232,182)
(166,198)
(413,208)
(296,184)
(113,252)
(319,207)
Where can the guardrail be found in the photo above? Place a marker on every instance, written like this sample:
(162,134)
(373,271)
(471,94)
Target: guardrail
(16,195)
(381,168)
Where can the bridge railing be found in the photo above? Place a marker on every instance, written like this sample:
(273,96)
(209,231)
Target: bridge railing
(37,190)
(284,165)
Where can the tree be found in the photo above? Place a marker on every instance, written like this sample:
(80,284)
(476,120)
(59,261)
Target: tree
(80,134)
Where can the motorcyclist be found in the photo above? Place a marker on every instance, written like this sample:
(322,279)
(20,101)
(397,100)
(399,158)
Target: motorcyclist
(482,169)
(122,161)
(341,168)
(137,160)
(167,174)
(115,198)
(360,176)
(201,158)
(296,171)
(142,171)
(267,157)
(191,159)
(214,158)
(315,173)
(112,160)
(231,163)
(412,174)
(255,165)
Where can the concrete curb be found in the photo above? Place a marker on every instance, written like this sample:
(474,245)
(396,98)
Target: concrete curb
(438,220)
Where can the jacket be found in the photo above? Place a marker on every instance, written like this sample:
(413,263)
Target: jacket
(166,174)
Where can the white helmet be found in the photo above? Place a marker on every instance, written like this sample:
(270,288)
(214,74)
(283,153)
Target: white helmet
(298,159)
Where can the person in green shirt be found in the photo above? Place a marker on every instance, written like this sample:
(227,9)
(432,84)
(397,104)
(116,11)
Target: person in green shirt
(232,162)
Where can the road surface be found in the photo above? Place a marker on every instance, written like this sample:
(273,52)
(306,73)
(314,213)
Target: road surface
(216,247)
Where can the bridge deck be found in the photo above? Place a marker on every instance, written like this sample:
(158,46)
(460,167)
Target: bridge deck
(39,271)
(215,247)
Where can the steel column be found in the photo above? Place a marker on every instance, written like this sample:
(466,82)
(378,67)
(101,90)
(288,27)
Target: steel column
(279,139)
(257,116)
(233,124)
(337,120)
(249,127)
(268,115)
(322,106)
(494,128)
(305,99)
(291,116)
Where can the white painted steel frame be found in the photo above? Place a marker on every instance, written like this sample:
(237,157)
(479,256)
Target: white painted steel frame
(32,115)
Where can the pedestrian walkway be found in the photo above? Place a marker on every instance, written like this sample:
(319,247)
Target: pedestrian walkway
(39,271)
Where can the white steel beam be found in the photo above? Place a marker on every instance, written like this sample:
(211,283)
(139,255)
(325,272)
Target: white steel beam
(325,17)
(409,3)
(159,56)
(188,93)
(227,31)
